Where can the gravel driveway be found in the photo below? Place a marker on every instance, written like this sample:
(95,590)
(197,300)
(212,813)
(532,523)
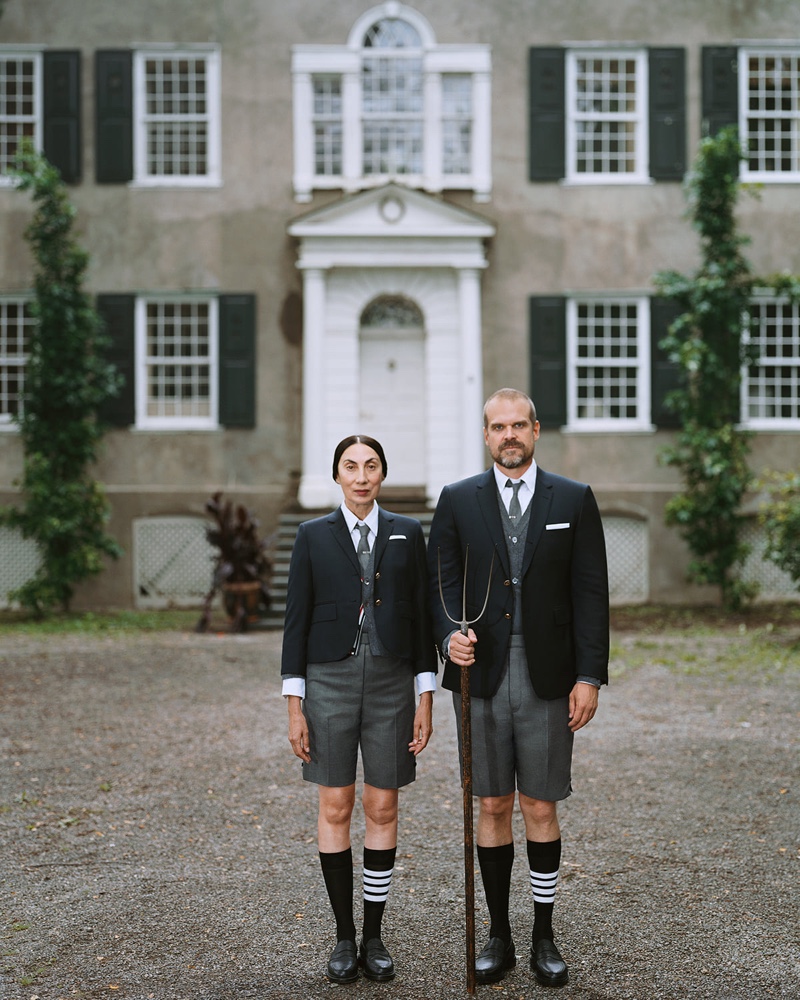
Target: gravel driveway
(157,841)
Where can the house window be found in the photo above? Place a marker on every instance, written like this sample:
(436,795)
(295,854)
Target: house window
(392,104)
(457,123)
(16,330)
(20,106)
(176,102)
(769,98)
(327,126)
(771,385)
(608,372)
(176,363)
(606,116)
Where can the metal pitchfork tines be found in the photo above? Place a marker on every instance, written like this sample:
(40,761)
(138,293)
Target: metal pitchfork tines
(466,756)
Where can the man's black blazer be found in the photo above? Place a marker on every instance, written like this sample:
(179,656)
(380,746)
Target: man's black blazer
(324,593)
(564,586)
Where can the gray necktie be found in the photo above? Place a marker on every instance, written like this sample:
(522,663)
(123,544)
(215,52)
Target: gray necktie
(363,547)
(514,509)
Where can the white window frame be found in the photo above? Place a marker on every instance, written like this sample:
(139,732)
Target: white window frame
(642,421)
(213,176)
(7,422)
(770,52)
(344,61)
(35,55)
(771,423)
(145,421)
(640,175)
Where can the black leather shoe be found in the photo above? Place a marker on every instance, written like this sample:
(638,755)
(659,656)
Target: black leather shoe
(495,960)
(547,965)
(376,961)
(343,963)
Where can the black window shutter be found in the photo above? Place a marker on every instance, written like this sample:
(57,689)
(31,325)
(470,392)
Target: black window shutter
(667,89)
(114,116)
(117,313)
(237,360)
(665,375)
(547,112)
(548,358)
(720,88)
(61,112)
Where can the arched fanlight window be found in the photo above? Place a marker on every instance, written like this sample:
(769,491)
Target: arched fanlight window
(391,311)
(392,98)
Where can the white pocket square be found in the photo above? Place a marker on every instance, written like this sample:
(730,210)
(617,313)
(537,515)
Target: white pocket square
(557,527)
(396,536)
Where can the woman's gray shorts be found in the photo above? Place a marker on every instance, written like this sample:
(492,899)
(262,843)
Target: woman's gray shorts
(363,699)
(518,739)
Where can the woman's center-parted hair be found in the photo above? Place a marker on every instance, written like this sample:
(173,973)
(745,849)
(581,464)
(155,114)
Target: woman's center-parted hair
(370,442)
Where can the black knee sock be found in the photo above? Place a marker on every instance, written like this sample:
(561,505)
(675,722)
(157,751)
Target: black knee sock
(378,868)
(544,860)
(495,864)
(337,870)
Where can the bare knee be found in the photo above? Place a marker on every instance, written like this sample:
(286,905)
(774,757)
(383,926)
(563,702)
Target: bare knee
(336,806)
(541,819)
(497,808)
(380,806)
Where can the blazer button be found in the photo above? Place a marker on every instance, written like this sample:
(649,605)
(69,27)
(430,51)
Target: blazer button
(377,576)
(377,603)
(507,615)
(506,583)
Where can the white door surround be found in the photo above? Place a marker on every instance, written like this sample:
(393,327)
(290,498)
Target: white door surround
(391,241)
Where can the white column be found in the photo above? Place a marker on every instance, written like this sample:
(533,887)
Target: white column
(469,314)
(315,482)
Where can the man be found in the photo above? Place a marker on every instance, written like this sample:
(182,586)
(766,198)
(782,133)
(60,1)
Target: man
(537,657)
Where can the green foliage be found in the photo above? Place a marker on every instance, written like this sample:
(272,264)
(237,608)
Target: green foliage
(780,516)
(707,342)
(66,380)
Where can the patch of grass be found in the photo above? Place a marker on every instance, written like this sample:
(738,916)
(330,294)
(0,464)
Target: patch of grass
(99,623)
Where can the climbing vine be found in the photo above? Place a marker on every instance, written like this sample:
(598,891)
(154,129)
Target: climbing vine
(66,379)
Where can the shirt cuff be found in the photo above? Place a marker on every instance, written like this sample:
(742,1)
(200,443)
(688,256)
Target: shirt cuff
(583,679)
(425,681)
(294,686)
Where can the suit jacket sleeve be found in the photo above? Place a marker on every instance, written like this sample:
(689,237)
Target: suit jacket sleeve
(299,605)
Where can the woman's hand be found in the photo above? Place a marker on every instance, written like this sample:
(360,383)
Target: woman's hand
(423,723)
(298,730)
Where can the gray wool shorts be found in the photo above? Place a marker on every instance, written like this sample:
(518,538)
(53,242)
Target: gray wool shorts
(519,740)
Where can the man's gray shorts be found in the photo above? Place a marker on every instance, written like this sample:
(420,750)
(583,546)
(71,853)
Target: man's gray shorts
(519,741)
(367,700)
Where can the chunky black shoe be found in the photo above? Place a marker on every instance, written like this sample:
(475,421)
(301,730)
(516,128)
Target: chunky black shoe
(547,965)
(376,961)
(495,960)
(343,963)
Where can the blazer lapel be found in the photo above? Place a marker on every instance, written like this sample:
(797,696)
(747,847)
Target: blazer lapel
(342,535)
(487,501)
(385,520)
(540,509)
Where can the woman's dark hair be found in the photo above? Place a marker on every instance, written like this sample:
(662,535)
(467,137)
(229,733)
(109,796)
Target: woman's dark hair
(343,445)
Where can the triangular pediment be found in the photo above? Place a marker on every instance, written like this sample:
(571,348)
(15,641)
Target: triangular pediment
(391,211)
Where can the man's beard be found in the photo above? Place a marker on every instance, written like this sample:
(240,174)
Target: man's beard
(520,456)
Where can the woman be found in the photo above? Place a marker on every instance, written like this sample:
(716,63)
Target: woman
(356,634)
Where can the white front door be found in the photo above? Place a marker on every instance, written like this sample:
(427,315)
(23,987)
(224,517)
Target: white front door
(392,399)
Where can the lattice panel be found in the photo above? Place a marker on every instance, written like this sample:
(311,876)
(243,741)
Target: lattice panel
(628,564)
(19,560)
(173,561)
(774,584)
